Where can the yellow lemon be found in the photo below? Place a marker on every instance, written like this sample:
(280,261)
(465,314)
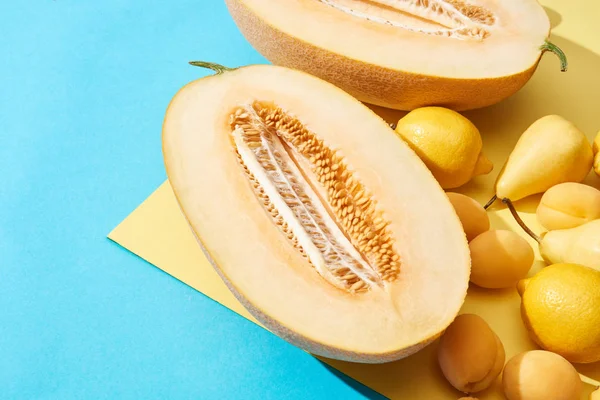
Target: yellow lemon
(447,142)
(560,307)
(597,154)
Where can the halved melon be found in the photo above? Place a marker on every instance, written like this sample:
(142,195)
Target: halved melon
(404,54)
(321,221)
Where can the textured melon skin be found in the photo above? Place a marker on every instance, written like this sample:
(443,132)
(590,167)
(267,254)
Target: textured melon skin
(371,83)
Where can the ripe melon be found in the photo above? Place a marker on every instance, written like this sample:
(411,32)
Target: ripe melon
(404,54)
(322,222)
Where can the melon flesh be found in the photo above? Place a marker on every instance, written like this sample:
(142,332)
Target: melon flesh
(321,221)
(403,53)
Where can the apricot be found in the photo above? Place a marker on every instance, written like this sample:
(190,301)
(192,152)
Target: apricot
(472,215)
(499,259)
(568,205)
(540,374)
(470,354)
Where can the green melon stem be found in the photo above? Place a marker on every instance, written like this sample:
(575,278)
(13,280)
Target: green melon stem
(547,46)
(218,68)
(521,223)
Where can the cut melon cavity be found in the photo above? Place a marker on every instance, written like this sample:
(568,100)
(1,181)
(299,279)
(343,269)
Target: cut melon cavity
(404,54)
(321,221)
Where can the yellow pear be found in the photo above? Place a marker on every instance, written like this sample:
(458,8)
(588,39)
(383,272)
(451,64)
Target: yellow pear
(551,151)
(580,245)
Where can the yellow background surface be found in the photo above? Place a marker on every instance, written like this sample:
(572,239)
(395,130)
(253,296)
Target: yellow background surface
(158,233)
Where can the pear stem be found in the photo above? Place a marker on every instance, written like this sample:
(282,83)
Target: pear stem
(589,381)
(551,47)
(489,203)
(521,223)
(219,69)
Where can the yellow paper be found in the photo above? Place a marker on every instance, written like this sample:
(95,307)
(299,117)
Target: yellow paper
(158,232)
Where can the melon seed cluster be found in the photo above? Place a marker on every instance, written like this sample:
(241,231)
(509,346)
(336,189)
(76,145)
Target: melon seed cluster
(454,18)
(473,12)
(354,251)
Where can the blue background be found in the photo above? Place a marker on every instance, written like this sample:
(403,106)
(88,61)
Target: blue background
(84,87)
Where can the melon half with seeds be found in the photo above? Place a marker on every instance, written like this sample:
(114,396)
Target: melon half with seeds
(323,223)
(404,54)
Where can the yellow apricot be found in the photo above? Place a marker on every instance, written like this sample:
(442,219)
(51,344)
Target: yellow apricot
(568,205)
(470,354)
(472,215)
(499,259)
(539,374)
